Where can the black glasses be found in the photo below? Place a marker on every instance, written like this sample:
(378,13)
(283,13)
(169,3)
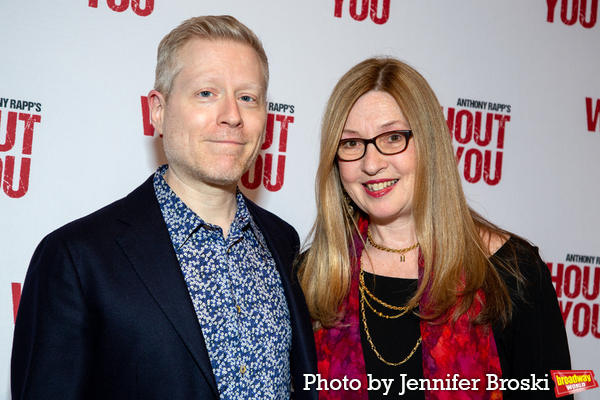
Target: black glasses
(388,143)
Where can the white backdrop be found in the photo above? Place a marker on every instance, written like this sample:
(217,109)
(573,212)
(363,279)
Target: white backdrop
(518,82)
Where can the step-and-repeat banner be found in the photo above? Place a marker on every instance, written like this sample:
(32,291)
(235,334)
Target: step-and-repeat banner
(518,82)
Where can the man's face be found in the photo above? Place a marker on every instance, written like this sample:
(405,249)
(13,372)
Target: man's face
(214,120)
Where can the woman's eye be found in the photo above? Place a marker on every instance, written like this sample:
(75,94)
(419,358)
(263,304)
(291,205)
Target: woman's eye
(351,143)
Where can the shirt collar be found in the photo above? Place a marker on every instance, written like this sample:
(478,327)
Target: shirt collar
(182,222)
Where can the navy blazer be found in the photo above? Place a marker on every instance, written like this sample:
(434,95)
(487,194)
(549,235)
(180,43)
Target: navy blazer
(105,312)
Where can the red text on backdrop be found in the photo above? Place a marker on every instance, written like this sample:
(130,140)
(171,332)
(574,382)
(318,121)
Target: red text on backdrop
(571,11)
(379,15)
(479,136)
(16,298)
(16,149)
(577,288)
(593,116)
(263,167)
(142,11)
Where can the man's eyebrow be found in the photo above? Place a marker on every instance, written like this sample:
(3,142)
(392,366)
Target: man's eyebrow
(220,77)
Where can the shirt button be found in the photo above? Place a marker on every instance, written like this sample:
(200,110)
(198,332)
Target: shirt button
(243,369)
(239,309)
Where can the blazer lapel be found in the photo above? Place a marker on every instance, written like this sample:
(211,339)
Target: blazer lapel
(284,245)
(148,247)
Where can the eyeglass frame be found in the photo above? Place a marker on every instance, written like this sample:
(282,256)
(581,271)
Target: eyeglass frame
(406,133)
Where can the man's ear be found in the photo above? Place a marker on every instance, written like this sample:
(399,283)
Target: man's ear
(157,103)
(264,136)
(264,132)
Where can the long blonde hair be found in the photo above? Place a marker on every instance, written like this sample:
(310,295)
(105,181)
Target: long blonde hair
(455,260)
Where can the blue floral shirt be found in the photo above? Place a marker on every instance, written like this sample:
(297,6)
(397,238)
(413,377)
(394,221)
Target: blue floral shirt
(238,297)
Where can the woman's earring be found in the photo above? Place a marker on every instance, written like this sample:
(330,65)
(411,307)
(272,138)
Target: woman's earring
(348,201)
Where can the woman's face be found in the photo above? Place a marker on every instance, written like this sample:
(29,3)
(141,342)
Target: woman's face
(382,186)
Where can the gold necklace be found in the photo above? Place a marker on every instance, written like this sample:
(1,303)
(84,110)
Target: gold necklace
(364,289)
(380,247)
(363,299)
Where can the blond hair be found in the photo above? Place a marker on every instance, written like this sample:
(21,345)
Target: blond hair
(456,263)
(207,27)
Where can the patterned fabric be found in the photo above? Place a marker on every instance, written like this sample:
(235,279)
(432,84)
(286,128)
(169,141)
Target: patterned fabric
(339,349)
(447,348)
(459,348)
(238,297)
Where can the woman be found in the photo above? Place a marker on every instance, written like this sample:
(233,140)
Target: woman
(403,279)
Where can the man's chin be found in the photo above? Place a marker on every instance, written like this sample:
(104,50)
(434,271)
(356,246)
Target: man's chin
(223,178)
(216,173)
(224,175)
(220,181)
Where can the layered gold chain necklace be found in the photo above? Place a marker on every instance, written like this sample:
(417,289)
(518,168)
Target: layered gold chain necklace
(364,292)
(401,251)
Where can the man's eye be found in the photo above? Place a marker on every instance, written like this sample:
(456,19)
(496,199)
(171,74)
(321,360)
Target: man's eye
(205,93)
(247,98)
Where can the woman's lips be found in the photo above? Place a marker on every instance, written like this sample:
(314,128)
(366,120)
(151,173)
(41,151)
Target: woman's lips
(379,188)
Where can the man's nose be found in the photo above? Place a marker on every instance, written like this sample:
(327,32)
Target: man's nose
(230,112)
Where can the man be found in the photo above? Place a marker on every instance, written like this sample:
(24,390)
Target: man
(183,289)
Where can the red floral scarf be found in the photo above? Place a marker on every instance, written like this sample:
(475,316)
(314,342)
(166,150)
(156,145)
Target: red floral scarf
(449,348)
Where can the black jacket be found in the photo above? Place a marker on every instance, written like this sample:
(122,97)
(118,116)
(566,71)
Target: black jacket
(105,312)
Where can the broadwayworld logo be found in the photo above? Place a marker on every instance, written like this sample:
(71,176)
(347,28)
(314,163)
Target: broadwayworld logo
(569,382)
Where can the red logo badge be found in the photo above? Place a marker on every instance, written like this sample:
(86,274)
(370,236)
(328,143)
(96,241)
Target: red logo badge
(568,382)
